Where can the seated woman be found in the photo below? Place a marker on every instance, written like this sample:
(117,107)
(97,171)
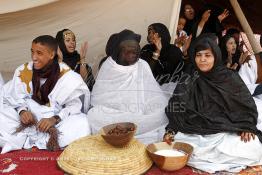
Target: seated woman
(230,52)
(67,43)
(164,59)
(126,91)
(215,113)
(41,105)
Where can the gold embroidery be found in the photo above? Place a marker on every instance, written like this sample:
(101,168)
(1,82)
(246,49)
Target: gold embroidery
(63,71)
(68,34)
(26,76)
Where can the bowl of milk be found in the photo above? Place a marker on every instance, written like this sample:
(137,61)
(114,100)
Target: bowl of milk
(170,157)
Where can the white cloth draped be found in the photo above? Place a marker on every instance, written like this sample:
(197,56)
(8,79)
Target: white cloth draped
(222,152)
(64,101)
(248,73)
(128,94)
(1,80)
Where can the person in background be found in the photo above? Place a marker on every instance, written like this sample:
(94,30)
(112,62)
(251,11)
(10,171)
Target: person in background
(164,59)
(208,20)
(68,54)
(230,52)
(214,111)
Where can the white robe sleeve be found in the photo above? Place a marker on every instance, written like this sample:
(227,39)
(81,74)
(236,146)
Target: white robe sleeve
(248,73)
(72,107)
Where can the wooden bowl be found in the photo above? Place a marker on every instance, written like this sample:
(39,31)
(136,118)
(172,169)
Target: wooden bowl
(169,163)
(121,139)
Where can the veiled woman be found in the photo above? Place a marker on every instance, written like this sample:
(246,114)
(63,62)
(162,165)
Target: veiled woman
(214,111)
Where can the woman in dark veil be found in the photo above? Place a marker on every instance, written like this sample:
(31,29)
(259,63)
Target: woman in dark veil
(214,111)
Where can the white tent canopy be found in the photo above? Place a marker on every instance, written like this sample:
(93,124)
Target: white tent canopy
(8,6)
(91,20)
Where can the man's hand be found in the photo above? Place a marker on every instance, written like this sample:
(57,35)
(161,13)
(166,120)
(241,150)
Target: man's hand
(45,123)
(246,136)
(26,117)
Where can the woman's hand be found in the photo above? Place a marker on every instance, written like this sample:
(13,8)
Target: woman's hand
(168,138)
(244,58)
(60,55)
(223,15)
(186,45)
(206,16)
(233,67)
(157,43)
(45,123)
(83,52)
(247,136)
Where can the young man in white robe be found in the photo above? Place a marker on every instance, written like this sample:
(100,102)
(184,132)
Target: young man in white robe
(41,105)
(126,91)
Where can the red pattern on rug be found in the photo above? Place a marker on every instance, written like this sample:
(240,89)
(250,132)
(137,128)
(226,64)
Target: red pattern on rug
(42,162)
(30,162)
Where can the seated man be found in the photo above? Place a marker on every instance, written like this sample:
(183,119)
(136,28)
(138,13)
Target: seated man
(41,105)
(126,91)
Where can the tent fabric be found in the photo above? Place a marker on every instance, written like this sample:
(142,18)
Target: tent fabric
(8,6)
(91,20)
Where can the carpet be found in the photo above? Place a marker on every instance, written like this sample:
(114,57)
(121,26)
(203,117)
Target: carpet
(42,162)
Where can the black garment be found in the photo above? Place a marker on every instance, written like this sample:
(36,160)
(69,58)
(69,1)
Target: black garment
(109,49)
(189,25)
(212,25)
(169,64)
(258,90)
(73,60)
(213,102)
(118,39)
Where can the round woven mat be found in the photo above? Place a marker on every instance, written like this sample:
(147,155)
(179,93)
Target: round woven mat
(92,155)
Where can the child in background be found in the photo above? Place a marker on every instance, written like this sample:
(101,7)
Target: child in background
(181,34)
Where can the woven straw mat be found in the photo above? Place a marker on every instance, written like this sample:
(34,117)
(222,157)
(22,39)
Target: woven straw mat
(92,155)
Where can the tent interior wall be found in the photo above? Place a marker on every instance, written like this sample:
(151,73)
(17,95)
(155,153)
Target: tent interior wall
(93,21)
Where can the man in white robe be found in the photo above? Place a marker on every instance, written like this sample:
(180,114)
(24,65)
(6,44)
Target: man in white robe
(62,112)
(126,91)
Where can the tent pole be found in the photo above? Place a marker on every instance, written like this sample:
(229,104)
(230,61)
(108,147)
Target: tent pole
(174,19)
(246,27)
